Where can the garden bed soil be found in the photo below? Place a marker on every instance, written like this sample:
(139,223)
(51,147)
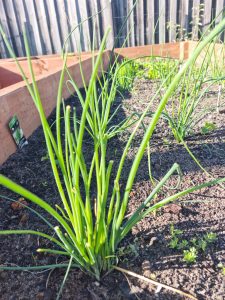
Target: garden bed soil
(146,248)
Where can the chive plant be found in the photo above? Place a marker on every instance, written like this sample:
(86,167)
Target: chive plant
(88,231)
(127,74)
(184,116)
(159,68)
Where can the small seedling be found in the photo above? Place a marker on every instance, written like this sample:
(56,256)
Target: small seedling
(190,255)
(210,237)
(174,232)
(182,245)
(197,243)
(222,267)
(174,242)
(131,249)
(45,157)
(208,127)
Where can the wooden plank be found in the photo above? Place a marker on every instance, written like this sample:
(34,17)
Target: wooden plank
(163,50)
(119,8)
(123,15)
(4,23)
(195,19)
(96,30)
(54,27)
(184,19)
(130,23)
(63,23)
(84,29)
(32,27)
(172,20)
(207,14)
(140,30)
(11,17)
(73,22)
(107,21)
(43,25)
(162,21)
(22,21)
(3,51)
(150,22)
(219,8)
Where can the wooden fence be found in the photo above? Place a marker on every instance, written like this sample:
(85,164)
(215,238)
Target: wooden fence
(48,22)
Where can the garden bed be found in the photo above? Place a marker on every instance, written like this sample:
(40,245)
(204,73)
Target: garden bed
(147,248)
(15,99)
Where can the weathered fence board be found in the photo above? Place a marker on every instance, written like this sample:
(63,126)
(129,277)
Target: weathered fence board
(49,22)
(172,21)
(162,21)
(44,29)
(150,22)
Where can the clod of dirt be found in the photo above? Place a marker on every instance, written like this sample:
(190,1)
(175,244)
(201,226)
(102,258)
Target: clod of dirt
(19,205)
(172,208)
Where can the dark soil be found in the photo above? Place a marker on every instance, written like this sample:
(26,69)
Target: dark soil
(146,249)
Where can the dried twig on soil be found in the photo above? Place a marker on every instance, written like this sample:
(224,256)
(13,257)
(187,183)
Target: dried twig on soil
(158,284)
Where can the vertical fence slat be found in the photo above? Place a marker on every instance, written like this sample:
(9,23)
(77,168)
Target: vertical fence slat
(207,14)
(173,20)
(4,23)
(195,19)
(219,8)
(73,22)
(150,22)
(124,13)
(32,27)
(140,32)
(130,24)
(85,26)
(95,15)
(119,16)
(11,16)
(220,5)
(162,21)
(54,26)
(43,25)
(3,52)
(184,18)
(63,24)
(22,21)
(107,21)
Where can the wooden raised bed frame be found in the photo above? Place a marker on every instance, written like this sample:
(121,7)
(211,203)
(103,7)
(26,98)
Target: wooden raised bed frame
(15,99)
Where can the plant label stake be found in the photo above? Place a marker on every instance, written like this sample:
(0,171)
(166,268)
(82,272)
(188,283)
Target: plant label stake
(17,132)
